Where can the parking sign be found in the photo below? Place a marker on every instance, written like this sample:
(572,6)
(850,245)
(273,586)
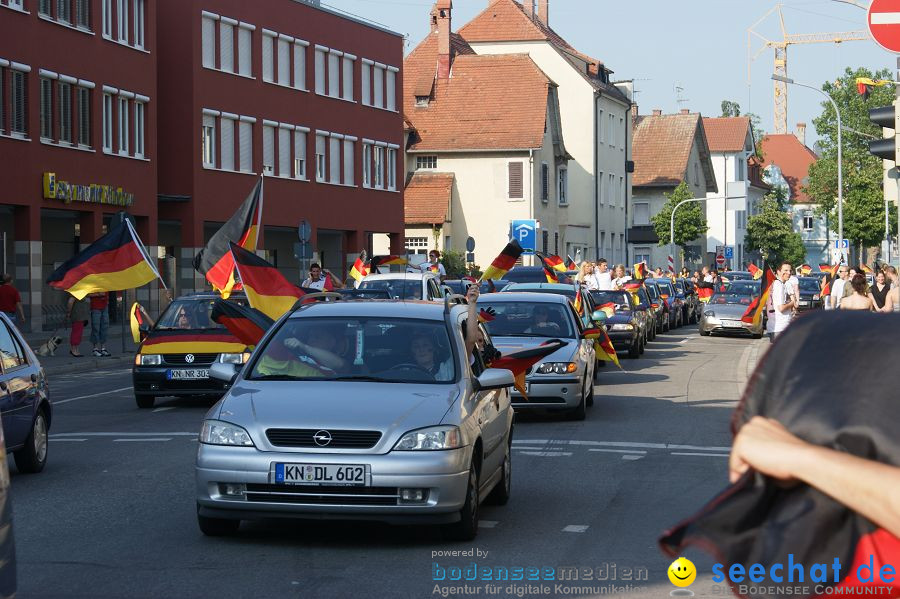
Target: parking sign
(525,232)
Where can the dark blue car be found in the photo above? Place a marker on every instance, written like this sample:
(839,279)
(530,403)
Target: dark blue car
(24,400)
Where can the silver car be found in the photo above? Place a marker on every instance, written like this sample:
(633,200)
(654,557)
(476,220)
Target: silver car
(565,378)
(358,410)
(726,307)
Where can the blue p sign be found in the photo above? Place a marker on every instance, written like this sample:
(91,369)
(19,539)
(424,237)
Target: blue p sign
(524,231)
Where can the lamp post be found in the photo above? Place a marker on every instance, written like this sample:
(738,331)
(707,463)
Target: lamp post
(840,165)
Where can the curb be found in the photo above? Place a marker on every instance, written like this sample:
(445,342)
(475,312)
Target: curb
(88,364)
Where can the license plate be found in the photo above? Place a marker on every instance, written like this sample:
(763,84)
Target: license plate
(187,374)
(322,474)
(733,324)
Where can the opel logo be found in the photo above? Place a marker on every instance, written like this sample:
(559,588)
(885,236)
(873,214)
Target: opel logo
(189,358)
(322,438)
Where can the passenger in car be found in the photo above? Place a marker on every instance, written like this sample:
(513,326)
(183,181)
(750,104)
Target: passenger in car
(324,344)
(541,322)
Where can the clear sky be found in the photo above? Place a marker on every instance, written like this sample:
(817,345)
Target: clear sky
(697,45)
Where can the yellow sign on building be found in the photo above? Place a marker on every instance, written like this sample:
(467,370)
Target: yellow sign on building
(94,193)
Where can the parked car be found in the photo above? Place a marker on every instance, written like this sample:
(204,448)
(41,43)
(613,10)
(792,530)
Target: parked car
(8,579)
(348,293)
(175,355)
(406,286)
(393,423)
(725,309)
(624,326)
(533,274)
(459,286)
(674,305)
(559,289)
(644,306)
(565,378)
(737,275)
(658,305)
(24,400)
(685,290)
(810,290)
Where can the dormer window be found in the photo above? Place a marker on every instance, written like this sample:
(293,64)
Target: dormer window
(422,100)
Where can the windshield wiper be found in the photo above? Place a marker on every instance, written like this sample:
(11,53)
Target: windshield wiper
(360,377)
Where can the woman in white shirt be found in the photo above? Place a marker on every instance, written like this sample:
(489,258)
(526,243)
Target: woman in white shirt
(619,277)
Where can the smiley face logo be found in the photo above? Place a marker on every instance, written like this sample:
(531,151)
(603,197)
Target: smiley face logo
(682,572)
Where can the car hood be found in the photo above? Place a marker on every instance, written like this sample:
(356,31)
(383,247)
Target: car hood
(509,345)
(727,310)
(392,408)
(620,318)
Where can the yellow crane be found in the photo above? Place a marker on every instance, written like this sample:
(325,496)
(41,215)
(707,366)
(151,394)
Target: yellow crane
(780,48)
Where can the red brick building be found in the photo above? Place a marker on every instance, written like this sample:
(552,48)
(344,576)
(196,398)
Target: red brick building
(304,95)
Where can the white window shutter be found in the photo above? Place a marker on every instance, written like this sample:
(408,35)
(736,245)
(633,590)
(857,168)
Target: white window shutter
(284,152)
(300,154)
(320,72)
(245,45)
(299,66)
(334,75)
(366,84)
(348,79)
(246,146)
(267,50)
(226,46)
(226,136)
(349,150)
(379,87)
(284,62)
(391,90)
(334,161)
(208,34)
(268,150)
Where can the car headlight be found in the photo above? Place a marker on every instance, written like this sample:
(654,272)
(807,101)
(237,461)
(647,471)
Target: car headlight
(429,439)
(622,327)
(150,359)
(234,358)
(557,367)
(216,432)
(709,313)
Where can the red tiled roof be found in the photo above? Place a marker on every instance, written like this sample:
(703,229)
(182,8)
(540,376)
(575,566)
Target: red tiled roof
(793,158)
(420,67)
(489,102)
(661,148)
(726,134)
(427,197)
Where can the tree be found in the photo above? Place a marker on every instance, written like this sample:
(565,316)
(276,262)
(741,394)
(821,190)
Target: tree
(730,108)
(862,172)
(690,221)
(771,232)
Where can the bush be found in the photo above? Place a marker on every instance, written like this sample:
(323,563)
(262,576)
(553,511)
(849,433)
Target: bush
(455,264)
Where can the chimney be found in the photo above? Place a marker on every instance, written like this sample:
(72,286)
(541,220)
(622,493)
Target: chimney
(433,19)
(528,6)
(543,11)
(657,112)
(685,111)
(801,133)
(634,113)
(443,9)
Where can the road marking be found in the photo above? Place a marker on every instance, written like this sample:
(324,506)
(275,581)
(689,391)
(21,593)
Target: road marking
(91,395)
(163,409)
(685,340)
(632,451)
(622,444)
(632,456)
(68,439)
(547,454)
(698,447)
(717,455)
(532,448)
(576,528)
(156,434)
(144,439)
(487,523)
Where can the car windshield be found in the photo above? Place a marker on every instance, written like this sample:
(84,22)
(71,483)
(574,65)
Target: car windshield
(619,298)
(665,287)
(738,292)
(365,349)
(652,291)
(530,319)
(679,285)
(190,314)
(403,289)
(810,285)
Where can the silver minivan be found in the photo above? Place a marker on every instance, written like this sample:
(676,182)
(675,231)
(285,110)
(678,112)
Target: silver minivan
(358,410)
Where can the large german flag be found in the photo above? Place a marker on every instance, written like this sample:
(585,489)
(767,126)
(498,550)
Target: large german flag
(503,263)
(519,362)
(754,270)
(215,260)
(640,271)
(246,323)
(829,279)
(761,520)
(556,263)
(388,260)
(360,268)
(754,311)
(114,262)
(603,345)
(192,342)
(267,290)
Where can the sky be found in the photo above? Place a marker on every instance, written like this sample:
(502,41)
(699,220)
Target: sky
(699,46)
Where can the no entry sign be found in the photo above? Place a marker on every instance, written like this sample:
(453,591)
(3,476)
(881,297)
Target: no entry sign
(884,24)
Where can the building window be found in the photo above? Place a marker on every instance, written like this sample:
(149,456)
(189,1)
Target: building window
(268,40)
(245,143)
(44,7)
(426,162)
(600,196)
(610,131)
(378,87)
(321,143)
(19,103)
(334,73)
(46,108)
(106,17)
(392,169)
(84,117)
(226,46)
(65,111)
(366,82)
(83,14)
(320,70)
(600,126)
(622,133)
(334,159)
(226,143)
(807,221)
(563,179)
(622,192)
(379,167)
(123,126)
(347,82)
(391,88)
(609,189)
(299,154)
(697,173)
(367,164)
(208,40)
(209,141)
(268,150)
(64,11)
(284,62)
(107,123)
(545,240)
(642,254)
(349,152)
(641,214)
(300,65)
(122,14)
(417,245)
(245,51)
(515,180)
(285,168)
(139,24)
(545,182)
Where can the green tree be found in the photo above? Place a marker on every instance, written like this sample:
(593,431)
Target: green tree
(862,172)
(771,232)
(690,221)
(730,108)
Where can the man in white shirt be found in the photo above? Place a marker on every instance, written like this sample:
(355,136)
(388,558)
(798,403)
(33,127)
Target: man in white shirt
(782,301)
(434,265)
(602,276)
(837,287)
(315,280)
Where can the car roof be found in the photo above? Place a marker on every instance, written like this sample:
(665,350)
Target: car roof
(558,287)
(416,309)
(399,275)
(529,296)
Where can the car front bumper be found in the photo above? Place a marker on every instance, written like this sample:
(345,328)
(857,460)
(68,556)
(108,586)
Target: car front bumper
(549,392)
(623,340)
(154,380)
(442,474)
(735,327)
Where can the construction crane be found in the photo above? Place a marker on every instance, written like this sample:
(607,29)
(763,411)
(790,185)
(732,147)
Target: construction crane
(780,48)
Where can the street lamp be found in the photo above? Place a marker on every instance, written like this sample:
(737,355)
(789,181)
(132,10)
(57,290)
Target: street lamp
(675,209)
(840,176)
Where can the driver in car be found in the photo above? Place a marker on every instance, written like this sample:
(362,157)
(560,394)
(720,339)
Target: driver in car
(541,322)
(425,351)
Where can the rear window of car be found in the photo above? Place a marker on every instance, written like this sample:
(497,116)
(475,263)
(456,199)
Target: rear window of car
(529,319)
(403,289)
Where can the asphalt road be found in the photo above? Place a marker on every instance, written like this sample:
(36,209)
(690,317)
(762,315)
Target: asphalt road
(113,514)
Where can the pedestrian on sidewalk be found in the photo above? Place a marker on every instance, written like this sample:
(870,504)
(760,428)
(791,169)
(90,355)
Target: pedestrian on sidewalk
(782,302)
(837,287)
(859,299)
(892,301)
(880,290)
(77,313)
(10,300)
(99,302)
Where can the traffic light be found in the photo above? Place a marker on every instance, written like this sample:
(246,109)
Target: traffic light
(883,116)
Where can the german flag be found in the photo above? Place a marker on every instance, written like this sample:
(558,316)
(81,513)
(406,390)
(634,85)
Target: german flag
(215,261)
(762,520)
(486,315)
(864,85)
(754,311)
(805,269)
(831,273)
(631,286)
(549,272)
(137,321)
(555,262)
(578,302)
(570,264)
(825,267)
(329,282)
(602,345)
(519,362)
(609,308)
(114,262)
(754,270)
(387,260)
(360,268)
(192,342)
(504,262)
(246,323)
(865,268)
(640,271)
(267,290)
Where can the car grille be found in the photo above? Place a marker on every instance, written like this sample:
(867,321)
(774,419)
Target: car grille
(340,439)
(199,359)
(322,495)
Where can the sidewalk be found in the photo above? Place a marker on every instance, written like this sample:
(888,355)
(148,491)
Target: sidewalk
(64,363)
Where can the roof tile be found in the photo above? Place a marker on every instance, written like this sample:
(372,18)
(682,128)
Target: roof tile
(794,160)
(661,147)
(427,197)
(726,134)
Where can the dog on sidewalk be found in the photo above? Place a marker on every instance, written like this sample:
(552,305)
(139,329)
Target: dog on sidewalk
(49,348)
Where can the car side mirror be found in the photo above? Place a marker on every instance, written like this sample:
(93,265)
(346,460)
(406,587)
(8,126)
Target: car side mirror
(495,378)
(598,316)
(223,372)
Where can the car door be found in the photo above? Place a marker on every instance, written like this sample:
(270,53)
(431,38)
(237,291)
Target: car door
(21,390)
(487,405)
(585,353)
